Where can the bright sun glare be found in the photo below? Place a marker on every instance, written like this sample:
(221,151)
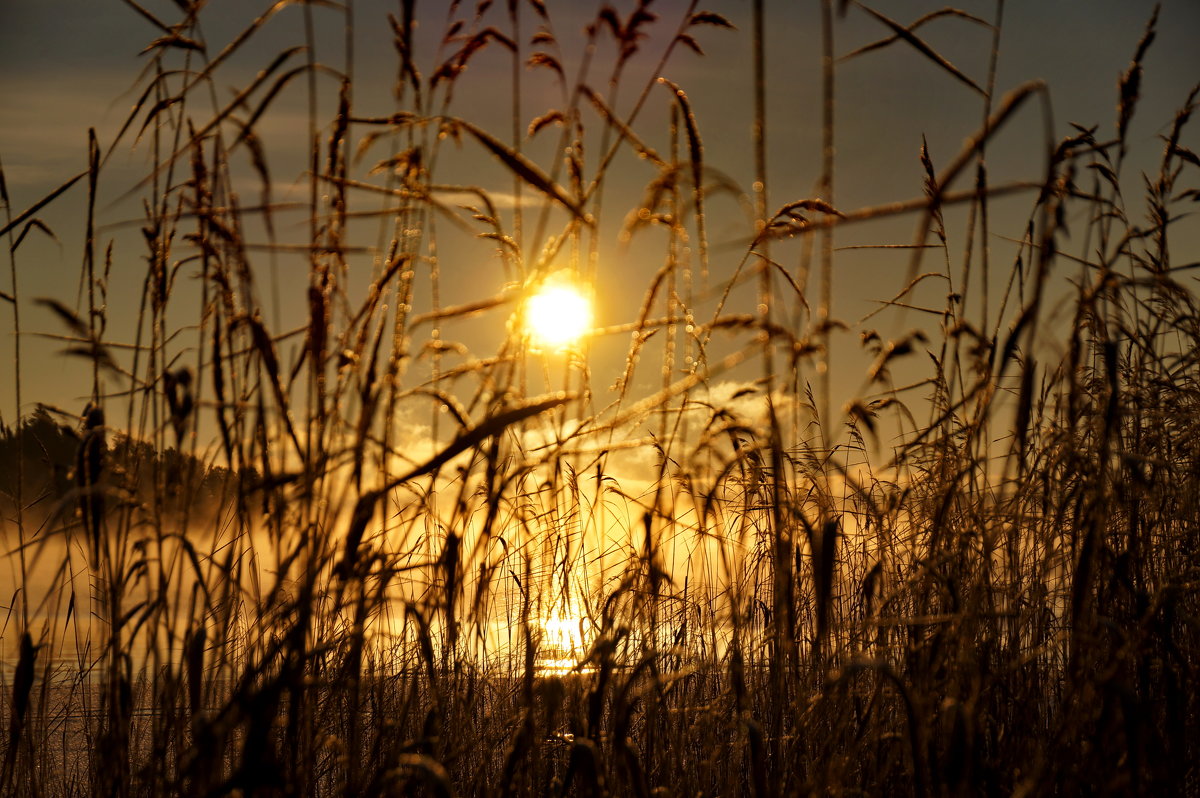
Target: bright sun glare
(563,647)
(557,316)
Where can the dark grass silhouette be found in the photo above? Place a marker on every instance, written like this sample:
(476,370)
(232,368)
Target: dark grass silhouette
(1003,601)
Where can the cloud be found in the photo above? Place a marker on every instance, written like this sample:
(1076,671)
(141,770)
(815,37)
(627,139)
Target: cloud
(48,118)
(499,199)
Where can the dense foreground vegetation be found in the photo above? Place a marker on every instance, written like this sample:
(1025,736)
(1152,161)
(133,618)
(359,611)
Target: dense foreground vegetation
(339,553)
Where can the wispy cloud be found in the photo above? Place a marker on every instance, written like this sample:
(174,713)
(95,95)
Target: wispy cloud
(499,199)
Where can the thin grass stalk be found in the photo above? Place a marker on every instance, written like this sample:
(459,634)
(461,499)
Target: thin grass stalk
(825,189)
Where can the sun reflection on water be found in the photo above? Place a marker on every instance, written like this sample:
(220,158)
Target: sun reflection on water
(564,647)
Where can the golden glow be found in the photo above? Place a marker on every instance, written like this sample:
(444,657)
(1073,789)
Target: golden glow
(562,648)
(557,316)
(563,633)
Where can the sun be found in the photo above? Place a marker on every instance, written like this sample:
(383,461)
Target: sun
(557,316)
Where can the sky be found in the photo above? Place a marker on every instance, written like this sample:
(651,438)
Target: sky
(67,65)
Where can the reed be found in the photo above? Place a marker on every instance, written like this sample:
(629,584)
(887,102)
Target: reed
(307,539)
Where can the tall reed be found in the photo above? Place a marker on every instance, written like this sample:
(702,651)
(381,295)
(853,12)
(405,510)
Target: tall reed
(305,540)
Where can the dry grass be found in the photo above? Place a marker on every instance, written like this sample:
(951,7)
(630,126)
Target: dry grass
(241,571)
